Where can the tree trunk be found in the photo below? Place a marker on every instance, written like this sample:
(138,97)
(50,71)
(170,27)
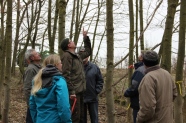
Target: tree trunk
(19,20)
(2,58)
(141,25)
(51,44)
(167,36)
(8,61)
(180,64)
(136,31)
(131,44)
(110,62)
(61,31)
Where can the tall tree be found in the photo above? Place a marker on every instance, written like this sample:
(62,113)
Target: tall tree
(136,30)
(141,25)
(167,36)
(19,20)
(79,22)
(96,26)
(51,36)
(110,62)
(8,61)
(2,56)
(61,28)
(131,44)
(180,64)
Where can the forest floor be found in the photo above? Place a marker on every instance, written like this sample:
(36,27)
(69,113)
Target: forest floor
(17,108)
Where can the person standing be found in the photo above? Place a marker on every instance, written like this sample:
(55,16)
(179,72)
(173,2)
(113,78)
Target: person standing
(132,91)
(73,72)
(33,59)
(157,92)
(49,100)
(94,85)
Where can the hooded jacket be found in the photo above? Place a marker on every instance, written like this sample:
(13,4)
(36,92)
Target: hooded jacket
(51,103)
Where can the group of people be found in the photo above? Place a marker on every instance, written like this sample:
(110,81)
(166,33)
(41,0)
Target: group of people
(152,91)
(62,90)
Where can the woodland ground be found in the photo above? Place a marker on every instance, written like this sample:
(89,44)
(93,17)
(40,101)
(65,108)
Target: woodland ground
(17,108)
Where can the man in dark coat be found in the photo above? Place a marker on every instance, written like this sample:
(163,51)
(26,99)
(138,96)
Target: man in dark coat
(132,91)
(94,85)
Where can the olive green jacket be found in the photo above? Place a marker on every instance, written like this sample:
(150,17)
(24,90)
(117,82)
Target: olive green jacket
(73,70)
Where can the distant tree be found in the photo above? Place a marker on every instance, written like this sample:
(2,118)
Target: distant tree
(79,21)
(110,62)
(96,26)
(51,36)
(180,65)
(19,21)
(8,61)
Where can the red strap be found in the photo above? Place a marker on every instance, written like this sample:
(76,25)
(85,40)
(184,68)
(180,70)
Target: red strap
(74,103)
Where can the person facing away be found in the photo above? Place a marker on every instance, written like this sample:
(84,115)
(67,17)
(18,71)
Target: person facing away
(94,85)
(132,91)
(157,91)
(73,72)
(49,100)
(33,59)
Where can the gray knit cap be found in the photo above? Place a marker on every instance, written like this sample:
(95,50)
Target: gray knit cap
(150,58)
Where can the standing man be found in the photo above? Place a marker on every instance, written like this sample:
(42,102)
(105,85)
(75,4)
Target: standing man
(73,72)
(157,91)
(132,91)
(94,85)
(33,58)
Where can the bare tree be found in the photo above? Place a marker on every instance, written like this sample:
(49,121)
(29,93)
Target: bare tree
(61,28)
(131,44)
(141,25)
(19,20)
(2,54)
(8,61)
(110,62)
(180,65)
(167,36)
(51,36)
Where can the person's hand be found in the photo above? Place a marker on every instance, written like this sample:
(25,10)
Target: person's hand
(72,96)
(84,33)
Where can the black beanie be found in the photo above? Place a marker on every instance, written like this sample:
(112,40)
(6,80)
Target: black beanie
(150,58)
(64,44)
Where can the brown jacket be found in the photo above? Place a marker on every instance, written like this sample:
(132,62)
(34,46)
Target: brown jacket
(73,70)
(157,91)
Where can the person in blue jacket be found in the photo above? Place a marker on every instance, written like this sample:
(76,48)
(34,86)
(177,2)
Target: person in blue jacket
(132,91)
(49,100)
(94,85)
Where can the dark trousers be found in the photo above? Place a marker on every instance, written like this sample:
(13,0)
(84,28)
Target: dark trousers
(28,116)
(135,112)
(78,112)
(92,108)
